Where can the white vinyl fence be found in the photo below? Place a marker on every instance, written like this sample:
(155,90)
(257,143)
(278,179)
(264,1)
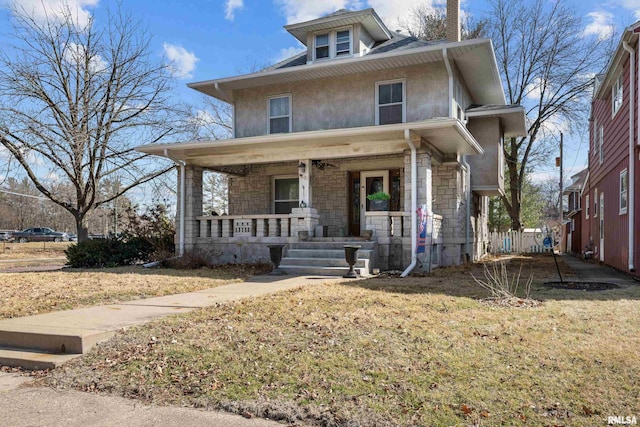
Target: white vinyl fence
(527,241)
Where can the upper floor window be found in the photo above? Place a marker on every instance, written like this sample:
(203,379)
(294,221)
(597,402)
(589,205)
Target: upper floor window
(624,191)
(333,44)
(616,95)
(595,203)
(390,102)
(280,114)
(322,46)
(601,144)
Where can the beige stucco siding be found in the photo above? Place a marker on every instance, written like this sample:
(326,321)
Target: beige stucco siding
(343,102)
(485,167)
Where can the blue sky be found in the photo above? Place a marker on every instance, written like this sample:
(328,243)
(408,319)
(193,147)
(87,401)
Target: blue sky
(217,38)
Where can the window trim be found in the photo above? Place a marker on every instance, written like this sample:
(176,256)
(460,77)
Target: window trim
(283,95)
(404,98)
(595,203)
(587,201)
(618,86)
(333,43)
(601,144)
(624,174)
(274,178)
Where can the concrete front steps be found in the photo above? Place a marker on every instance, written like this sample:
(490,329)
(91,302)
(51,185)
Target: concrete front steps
(325,256)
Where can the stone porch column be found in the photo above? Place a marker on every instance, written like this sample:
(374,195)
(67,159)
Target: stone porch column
(193,206)
(304,182)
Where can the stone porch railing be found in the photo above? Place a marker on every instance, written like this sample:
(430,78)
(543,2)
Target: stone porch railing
(398,224)
(245,226)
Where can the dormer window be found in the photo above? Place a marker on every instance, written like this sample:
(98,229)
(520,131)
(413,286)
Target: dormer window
(343,42)
(322,46)
(333,44)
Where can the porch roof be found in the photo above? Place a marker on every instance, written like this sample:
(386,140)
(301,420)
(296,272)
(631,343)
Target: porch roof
(445,134)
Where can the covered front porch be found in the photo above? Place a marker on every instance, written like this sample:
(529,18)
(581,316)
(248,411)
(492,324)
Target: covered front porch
(277,196)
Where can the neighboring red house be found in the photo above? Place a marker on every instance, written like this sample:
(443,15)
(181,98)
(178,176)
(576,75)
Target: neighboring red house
(573,228)
(608,199)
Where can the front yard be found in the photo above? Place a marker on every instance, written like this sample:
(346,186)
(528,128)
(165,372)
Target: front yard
(387,351)
(28,293)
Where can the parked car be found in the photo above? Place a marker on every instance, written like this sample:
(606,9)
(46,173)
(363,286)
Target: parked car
(40,234)
(6,236)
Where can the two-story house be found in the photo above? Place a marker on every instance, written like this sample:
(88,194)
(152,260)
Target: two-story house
(363,110)
(609,222)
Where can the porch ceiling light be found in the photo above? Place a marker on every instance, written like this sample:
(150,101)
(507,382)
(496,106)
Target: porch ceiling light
(302,167)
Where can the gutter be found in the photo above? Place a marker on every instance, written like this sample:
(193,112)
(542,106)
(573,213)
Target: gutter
(414,205)
(632,160)
(182,206)
(464,163)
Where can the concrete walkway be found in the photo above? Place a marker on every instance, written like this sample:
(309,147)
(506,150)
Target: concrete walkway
(592,271)
(29,406)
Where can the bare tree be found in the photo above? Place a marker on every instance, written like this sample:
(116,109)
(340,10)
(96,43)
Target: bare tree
(547,63)
(429,23)
(74,101)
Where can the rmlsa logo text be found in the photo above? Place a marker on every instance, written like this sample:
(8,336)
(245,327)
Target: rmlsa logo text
(622,420)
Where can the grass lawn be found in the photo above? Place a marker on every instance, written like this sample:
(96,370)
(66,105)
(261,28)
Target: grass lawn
(24,294)
(16,250)
(387,351)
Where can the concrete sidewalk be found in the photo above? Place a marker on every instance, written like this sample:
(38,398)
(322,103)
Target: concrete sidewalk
(41,406)
(30,406)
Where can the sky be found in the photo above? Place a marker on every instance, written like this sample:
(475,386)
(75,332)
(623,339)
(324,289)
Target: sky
(219,38)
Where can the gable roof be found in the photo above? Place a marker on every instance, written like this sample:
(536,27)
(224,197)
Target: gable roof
(603,82)
(368,18)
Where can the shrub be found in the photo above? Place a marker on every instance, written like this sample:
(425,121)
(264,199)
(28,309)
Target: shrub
(109,252)
(191,260)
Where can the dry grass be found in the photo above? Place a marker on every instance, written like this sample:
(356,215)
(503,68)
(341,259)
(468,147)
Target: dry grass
(387,351)
(39,292)
(16,251)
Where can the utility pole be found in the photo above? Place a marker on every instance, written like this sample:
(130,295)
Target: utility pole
(561,186)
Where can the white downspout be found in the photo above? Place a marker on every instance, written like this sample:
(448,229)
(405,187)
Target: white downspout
(182,207)
(632,160)
(447,64)
(414,204)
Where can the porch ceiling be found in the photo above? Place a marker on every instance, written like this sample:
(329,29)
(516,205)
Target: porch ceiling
(446,135)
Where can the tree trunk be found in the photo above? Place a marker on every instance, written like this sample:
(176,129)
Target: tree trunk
(81,228)
(514,207)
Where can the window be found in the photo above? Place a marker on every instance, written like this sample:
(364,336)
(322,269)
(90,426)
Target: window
(322,46)
(285,194)
(601,144)
(390,105)
(616,95)
(594,135)
(624,191)
(595,203)
(573,225)
(586,203)
(343,42)
(280,114)
(333,44)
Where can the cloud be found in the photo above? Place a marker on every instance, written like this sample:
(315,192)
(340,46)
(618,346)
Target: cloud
(230,8)
(392,12)
(288,52)
(41,10)
(632,5)
(182,62)
(395,12)
(601,25)
(306,10)
(75,54)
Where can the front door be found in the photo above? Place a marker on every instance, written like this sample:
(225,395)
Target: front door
(601,213)
(371,182)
